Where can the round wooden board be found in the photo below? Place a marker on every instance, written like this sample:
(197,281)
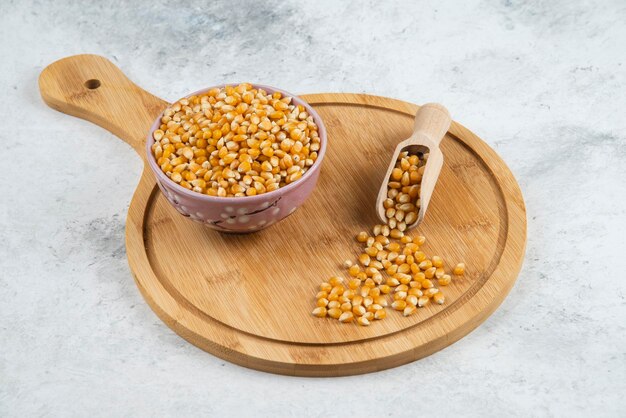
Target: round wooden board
(248,298)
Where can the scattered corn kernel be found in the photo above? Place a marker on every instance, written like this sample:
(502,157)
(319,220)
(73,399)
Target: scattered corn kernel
(363,321)
(346,317)
(459,269)
(362,236)
(445,280)
(409,272)
(320,312)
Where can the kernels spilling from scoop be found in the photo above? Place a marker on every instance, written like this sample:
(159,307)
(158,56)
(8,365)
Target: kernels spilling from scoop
(235,141)
(397,273)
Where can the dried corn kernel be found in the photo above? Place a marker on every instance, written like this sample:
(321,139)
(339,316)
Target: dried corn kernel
(346,317)
(445,280)
(439,298)
(364,259)
(398,305)
(319,312)
(409,310)
(459,269)
(363,321)
(335,313)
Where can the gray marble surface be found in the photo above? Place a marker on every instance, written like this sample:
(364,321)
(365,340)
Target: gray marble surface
(543,82)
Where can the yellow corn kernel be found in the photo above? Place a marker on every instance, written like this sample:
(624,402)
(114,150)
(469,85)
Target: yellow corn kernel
(346,317)
(431,292)
(425,265)
(403,278)
(334,313)
(414,291)
(380,314)
(321,294)
(384,289)
(393,281)
(377,265)
(439,298)
(346,306)
(325,287)
(322,302)
(437,261)
(357,300)
(363,321)
(347,264)
(409,310)
(459,269)
(335,281)
(348,295)
(367,301)
(404,268)
(319,312)
(354,270)
(358,310)
(337,290)
(382,239)
(354,283)
(369,283)
(377,278)
(369,315)
(374,291)
(398,305)
(362,236)
(445,280)
(401,288)
(396,233)
(427,284)
(399,296)
(364,259)
(430,273)
(380,300)
(423,301)
(362,276)
(406,239)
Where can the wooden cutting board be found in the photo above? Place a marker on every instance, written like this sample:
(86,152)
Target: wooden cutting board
(248,298)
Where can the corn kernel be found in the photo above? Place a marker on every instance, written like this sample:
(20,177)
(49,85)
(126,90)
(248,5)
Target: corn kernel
(346,317)
(319,312)
(445,280)
(439,298)
(459,269)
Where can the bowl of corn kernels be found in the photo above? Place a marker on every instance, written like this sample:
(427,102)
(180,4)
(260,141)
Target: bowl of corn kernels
(237,158)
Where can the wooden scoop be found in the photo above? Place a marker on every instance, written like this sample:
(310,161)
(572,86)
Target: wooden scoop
(432,121)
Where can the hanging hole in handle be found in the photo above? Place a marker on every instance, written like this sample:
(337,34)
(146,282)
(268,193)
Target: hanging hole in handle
(92,84)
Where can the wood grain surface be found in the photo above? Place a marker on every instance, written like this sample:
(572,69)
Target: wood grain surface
(248,298)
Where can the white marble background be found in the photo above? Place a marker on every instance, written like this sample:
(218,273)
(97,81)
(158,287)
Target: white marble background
(543,82)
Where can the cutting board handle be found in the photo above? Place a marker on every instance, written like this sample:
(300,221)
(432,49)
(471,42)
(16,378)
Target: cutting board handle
(432,121)
(91,87)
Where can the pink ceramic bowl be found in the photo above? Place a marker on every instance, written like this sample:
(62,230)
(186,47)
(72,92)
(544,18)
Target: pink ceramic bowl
(241,214)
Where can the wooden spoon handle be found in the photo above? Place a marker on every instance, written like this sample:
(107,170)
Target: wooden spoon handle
(91,87)
(432,120)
